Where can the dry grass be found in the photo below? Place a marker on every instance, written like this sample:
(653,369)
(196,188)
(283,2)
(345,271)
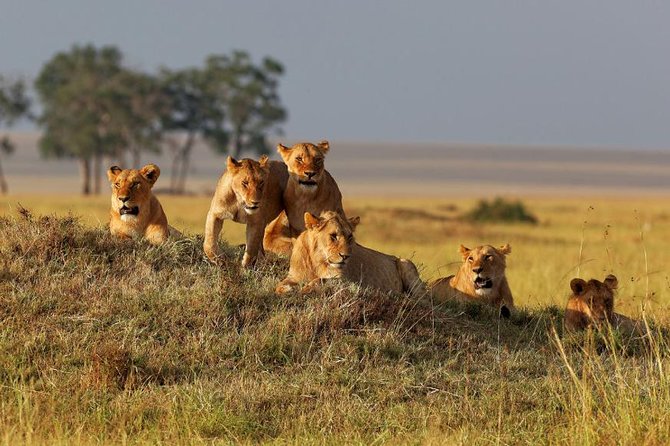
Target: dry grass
(103,341)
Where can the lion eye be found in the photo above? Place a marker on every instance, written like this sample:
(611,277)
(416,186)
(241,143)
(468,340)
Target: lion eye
(117,185)
(298,159)
(489,258)
(136,185)
(333,237)
(245,184)
(351,237)
(470,259)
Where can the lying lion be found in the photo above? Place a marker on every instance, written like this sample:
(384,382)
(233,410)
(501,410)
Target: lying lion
(592,305)
(136,212)
(481,277)
(310,188)
(248,192)
(327,249)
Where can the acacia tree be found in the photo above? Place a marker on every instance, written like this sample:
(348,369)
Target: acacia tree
(248,94)
(14,103)
(78,90)
(192,112)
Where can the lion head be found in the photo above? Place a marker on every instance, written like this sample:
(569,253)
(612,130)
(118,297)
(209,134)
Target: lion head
(485,266)
(305,163)
(597,296)
(331,239)
(131,190)
(248,181)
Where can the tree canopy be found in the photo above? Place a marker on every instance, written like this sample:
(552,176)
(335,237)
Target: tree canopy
(94,107)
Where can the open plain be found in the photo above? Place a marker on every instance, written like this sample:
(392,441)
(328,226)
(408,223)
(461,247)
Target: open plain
(103,341)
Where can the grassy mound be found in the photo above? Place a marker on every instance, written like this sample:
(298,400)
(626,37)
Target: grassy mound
(107,341)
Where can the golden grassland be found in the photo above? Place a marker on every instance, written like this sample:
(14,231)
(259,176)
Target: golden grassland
(112,342)
(586,237)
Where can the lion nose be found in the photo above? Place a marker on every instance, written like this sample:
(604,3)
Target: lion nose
(477,269)
(124,198)
(310,174)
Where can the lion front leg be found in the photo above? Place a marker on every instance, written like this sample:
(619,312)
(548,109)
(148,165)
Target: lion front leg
(254,246)
(210,245)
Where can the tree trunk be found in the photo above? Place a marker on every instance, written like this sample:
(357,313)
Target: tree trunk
(3,182)
(137,153)
(237,146)
(185,163)
(85,170)
(97,167)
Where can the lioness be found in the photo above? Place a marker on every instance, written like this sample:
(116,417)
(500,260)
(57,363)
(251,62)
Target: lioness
(327,249)
(310,188)
(136,212)
(592,304)
(481,277)
(248,192)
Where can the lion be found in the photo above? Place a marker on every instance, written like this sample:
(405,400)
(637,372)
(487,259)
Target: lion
(592,305)
(327,249)
(310,188)
(248,192)
(136,212)
(481,277)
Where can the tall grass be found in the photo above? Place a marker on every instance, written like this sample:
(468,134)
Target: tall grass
(105,341)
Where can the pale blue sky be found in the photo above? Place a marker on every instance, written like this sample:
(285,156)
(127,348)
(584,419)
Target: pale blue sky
(568,72)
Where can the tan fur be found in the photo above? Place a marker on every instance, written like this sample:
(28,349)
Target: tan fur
(134,186)
(483,262)
(246,184)
(327,249)
(305,162)
(592,304)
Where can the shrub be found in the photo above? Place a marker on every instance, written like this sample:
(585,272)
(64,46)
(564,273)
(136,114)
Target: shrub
(500,210)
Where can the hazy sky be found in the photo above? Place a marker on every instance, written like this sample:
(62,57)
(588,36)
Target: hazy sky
(574,72)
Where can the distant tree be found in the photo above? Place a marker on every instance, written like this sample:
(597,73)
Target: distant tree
(14,103)
(193,112)
(141,106)
(79,92)
(248,94)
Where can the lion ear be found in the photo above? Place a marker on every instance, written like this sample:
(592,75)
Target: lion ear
(311,221)
(354,221)
(232,164)
(113,172)
(577,286)
(465,252)
(263,161)
(283,151)
(611,282)
(151,172)
(505,249)
(323,146)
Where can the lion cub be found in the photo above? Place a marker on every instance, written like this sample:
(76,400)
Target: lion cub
(592,304)
(310,189)
(327,249)
(480,277)
(136,212)
(248,192)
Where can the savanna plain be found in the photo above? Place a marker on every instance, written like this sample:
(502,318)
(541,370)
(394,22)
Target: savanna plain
(104,341)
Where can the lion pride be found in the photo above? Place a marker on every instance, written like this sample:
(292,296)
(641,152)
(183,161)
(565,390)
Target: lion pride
(310,188)
(592,305)
(481,277)
(135,211)
(248,192)
(327,249)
